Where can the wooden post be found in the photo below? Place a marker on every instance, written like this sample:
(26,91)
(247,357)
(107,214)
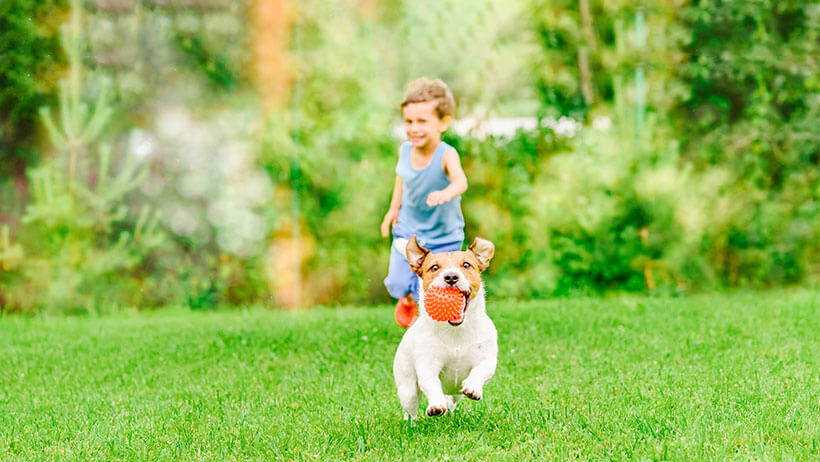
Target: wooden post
(271,38)
(273,32)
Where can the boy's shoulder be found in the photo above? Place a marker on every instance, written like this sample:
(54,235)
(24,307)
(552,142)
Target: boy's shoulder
(448,147)
(450,151)
(404,146)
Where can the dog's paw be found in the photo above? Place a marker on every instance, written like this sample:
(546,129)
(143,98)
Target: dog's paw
(471,391)
(435,410)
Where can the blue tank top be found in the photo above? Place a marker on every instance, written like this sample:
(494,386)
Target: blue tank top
(442,224)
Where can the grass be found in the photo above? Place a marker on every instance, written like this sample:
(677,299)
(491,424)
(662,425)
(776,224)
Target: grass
(705,377)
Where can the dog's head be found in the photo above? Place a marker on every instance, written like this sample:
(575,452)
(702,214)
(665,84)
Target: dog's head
(461,270)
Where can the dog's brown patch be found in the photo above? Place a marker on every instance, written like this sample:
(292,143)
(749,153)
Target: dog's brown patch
(435,263)
(472,262)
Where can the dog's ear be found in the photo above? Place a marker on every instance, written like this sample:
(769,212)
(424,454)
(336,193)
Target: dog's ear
(483,251)
(416,254)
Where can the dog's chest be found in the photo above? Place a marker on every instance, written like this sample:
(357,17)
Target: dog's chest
(458,363)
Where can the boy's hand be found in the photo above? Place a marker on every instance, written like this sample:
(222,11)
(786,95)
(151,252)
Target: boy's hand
(390,219)
(437,198)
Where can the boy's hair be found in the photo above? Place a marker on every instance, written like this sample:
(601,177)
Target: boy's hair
(423,89)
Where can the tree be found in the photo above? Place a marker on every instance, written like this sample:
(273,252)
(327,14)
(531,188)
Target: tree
(80,245)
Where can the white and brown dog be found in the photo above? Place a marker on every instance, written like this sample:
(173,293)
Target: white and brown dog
(446,360)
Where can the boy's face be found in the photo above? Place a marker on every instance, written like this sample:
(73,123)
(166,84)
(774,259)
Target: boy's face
(422,125)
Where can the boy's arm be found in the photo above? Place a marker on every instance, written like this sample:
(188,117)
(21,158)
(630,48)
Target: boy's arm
(392,215)
(395,201)
(458,180)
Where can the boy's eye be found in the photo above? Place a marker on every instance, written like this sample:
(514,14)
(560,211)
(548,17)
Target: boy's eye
(466,264)
(434,268)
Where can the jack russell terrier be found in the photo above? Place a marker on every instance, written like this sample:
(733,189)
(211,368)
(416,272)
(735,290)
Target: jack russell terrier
(447,359)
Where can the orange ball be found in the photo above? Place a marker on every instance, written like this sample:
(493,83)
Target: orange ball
(444,303)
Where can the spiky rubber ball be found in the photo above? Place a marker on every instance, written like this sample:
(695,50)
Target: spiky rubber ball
(444,303)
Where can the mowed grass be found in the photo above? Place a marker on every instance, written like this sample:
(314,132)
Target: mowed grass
(704,377)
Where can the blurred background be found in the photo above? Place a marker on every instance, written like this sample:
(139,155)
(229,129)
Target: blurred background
(204,153)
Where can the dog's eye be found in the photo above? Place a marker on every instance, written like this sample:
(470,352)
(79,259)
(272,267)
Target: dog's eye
(434,268)
(466,264)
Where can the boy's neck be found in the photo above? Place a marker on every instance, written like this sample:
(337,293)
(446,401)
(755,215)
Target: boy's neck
(428,149)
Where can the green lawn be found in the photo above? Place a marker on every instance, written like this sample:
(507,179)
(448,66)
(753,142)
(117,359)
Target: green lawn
(705,377)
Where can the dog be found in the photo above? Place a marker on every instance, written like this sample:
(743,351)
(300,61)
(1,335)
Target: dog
(447,360)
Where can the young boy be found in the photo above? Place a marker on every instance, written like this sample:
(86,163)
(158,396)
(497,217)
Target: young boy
(427,195)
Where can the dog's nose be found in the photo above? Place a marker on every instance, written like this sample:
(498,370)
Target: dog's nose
(451,279)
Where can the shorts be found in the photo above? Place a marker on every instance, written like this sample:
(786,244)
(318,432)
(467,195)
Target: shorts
(400,279)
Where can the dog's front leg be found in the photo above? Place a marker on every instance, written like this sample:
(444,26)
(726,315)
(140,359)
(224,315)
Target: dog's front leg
(473,385)
(430,385)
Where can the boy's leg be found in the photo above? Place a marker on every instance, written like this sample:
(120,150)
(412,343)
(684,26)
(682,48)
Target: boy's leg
(406,309)
(402,284)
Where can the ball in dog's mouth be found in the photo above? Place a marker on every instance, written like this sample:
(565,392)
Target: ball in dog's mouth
(446,304)
(457,322)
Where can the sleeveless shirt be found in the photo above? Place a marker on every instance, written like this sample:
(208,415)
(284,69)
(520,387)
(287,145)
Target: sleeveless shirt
(442,224)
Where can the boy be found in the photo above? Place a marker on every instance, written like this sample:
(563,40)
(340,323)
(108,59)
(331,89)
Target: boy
(427,194)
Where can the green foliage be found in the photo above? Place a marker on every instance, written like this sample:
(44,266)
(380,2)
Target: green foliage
(332,151)
(216,68)
(695,167)
(587,58)
(616,208)
(11,254)
(80,249)
(495,206)
(28,38)
(559,29)
(736,203)
(569,214)
(331,154)
(607,211)
(479,47)
(176,70)
(753,110)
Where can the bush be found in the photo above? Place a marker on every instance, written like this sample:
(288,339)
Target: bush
(753,111)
